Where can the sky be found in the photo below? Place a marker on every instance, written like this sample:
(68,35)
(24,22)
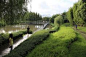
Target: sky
(50,7)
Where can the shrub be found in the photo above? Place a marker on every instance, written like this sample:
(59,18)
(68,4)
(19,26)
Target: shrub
(57,45)
(66,24)
(4,38)
(64,43)
(54,29)
(58,21)
(78,48)
(2,23)
(23,49)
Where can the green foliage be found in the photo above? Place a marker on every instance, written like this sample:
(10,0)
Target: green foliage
(66,24)
(46,18)
(54,29)
(77,14)
(26,47)
(2,23)
(80,15)
(70,16)
(64,15)
(83,29)
(31,16)
(12,11)
(52,24)
(75,7)
(53,17)
(5,37)
(57,45)
(64,43)
(78,48)
(58,21)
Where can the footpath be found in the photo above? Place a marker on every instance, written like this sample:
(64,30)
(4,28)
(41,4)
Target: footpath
(81,32)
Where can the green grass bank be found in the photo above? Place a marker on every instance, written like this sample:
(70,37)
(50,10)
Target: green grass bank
(83,29)
(64,43)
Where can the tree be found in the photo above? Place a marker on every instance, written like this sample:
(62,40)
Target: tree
(53,17)
(70,16)
(64,15)
(12,10)
(46,18)
(31,16)
(58,20)
(79,12)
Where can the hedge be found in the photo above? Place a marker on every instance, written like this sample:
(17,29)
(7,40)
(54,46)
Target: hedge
(4,38)
(26,47)
(58,44)
(54,29)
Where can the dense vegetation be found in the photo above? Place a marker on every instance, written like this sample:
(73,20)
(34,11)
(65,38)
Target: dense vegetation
(70,16)
(64,43)
(46,18)
(31,16)
(26,47)
(58,21)
(63,19)
(4,38)
(12,11)
(83,29)
(53,17)
(77,14)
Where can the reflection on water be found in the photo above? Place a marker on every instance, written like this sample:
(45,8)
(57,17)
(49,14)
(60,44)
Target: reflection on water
(7,50)
(18,41)
(16,28)
(38,26)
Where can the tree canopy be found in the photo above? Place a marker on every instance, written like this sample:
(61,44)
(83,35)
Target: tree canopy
(31,16)
(77,14)
(53,17)
(12,11)
(46,18)
(58,20)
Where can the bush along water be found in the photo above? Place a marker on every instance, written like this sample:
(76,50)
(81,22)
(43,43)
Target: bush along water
(4,38)
(27,46)
(2,23)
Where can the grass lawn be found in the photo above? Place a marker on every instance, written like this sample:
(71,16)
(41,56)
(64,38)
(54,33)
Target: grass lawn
(64,43)
(82,29)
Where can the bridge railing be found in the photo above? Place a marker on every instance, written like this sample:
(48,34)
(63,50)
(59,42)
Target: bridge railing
(34,22)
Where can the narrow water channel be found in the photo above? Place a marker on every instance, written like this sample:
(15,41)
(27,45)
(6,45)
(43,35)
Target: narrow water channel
(5,50)
(17,42)
(16,28)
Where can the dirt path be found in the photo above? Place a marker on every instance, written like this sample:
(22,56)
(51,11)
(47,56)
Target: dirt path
(81,32)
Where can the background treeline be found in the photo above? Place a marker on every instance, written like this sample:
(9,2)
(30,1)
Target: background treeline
(76,15)
(46,18)
(12,11)
(59,19)
(32,16)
